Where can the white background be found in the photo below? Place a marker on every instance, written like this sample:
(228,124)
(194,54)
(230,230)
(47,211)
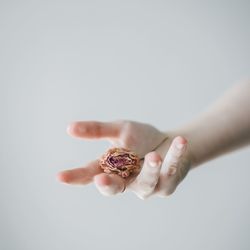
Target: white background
(159,62)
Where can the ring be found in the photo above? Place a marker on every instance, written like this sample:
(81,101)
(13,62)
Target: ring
(123,189)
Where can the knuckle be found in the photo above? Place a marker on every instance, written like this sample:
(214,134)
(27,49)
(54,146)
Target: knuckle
(127,135)
(171,170)
(127,124)
(182,172)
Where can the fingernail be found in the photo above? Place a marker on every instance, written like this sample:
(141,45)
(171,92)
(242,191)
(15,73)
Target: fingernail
(180,146)
(154,163)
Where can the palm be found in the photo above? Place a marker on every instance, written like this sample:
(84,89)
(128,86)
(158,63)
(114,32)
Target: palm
(139,137)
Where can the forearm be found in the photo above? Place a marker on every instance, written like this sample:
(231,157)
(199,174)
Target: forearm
(224,127)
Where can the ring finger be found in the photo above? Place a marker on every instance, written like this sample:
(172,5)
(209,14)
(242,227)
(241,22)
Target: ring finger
(144,184)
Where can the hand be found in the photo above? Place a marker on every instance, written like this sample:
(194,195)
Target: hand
(162,169)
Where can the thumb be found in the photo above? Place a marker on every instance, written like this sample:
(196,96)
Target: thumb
(95,129)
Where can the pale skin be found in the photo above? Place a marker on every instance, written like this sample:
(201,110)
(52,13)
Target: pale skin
(224,127)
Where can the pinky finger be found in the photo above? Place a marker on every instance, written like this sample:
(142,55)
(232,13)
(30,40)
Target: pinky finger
(174,168)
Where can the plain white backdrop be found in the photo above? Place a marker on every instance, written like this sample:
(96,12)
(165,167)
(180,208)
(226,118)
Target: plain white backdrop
(159,62)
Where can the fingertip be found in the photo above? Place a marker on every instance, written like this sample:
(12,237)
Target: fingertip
(59,177)
(180,140)
(102,180)
(73,129)
(63,177)
(154,158)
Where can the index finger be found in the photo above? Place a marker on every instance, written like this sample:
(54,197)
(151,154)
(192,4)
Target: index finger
(94,129)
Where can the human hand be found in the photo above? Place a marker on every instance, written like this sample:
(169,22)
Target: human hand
(161,170)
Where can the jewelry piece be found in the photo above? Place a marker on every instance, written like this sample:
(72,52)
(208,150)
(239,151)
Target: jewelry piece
(124,188)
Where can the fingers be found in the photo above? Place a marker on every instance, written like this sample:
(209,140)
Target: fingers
(109,184)
(83,175)
(94,129)
(144,184)
(154,177)
(173,168)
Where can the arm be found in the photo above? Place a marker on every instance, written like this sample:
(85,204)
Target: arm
(224,127)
